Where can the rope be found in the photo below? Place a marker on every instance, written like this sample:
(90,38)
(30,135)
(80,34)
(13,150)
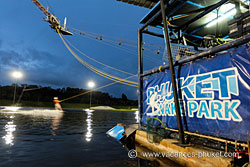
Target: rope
(157,120)
(179,17)
(190,41)
(113,78)
(97,61)
(90,91)
(152,135)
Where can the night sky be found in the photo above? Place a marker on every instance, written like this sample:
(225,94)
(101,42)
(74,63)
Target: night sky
(28,44)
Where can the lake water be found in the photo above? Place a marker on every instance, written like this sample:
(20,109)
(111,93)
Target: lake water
(76,138)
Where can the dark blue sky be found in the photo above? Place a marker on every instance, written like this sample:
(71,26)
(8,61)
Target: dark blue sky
(28,44)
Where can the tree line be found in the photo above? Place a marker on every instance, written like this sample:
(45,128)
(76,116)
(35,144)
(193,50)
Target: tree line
(36,93)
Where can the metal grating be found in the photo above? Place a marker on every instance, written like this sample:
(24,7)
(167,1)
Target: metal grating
(180,51)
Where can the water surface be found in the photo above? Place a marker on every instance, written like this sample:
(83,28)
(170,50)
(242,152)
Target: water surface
(35,137)
(73,138)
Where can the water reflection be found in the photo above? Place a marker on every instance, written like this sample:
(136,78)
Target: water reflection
(137,116)
(9,128)
(34,143)
(56,122)
(12,108)
(89,120)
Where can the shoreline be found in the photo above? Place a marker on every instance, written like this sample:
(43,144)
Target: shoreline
(69,105)
(66,108)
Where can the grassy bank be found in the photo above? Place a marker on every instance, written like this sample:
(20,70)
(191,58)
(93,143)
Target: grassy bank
(64,105)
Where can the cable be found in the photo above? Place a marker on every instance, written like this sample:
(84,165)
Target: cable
(157,120)
(95,34)
(124,49)
(97,61)
(91,90)
(123,81)
(119,40)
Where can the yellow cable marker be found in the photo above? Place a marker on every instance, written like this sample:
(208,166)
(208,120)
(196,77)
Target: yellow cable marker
(160,69)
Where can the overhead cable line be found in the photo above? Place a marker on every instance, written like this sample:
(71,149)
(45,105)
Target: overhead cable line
(108,76)
(113,37)
(92,90)
(119,41)
(97,61)
(150,58)
(114,46)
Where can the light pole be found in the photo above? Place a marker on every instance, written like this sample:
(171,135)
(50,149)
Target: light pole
(91,85)
(16,75)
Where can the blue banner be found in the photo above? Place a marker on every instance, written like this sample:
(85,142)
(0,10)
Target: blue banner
(214,96)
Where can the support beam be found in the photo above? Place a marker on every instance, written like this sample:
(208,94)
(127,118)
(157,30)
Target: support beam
(248,145)
(206,53)
(184,26)
(140,72)
(173,78)
(153,33)
(151,20)
(181,3)
(243,4)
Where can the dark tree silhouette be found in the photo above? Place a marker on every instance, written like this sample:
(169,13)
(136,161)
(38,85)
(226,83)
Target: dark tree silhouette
(124,97)
(46,94)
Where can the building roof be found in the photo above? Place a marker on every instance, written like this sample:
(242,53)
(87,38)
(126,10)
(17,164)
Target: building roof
(144,3)
(196,18)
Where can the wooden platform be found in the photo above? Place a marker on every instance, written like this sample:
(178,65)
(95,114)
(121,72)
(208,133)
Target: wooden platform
(169,147)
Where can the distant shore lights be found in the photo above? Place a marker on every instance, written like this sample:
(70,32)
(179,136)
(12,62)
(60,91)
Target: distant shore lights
(91,85)
(16,75)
